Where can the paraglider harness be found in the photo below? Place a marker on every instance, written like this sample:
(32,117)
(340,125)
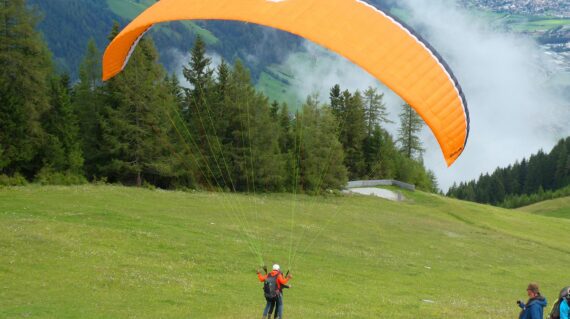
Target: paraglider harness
(271,287)
(555,312)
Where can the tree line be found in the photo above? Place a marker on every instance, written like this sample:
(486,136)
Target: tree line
(542,176)
(216,132)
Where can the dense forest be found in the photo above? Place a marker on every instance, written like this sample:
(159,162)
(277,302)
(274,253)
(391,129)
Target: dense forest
(542,176)
(144,128)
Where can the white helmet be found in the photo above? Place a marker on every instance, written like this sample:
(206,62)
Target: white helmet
(276,267)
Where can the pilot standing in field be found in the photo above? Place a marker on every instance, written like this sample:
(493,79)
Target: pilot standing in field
(534,307)
(273,285)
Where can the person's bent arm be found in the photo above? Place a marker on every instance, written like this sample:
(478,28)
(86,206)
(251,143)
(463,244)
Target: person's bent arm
(261,277)
(283,280)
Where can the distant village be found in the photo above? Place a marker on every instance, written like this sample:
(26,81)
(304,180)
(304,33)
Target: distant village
(555,8)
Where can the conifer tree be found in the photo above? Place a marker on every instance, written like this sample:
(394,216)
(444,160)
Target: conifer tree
(200,75)
(353,134)
(136,127)
(410,126)
(562,166)
(256,156)
(337,103)
(321,154)
(87,101)
(179,158)
(205,101)
(285,134)
(274,108)
(375,115)
(375,112)
(24,88)
(62,143)
(287,146)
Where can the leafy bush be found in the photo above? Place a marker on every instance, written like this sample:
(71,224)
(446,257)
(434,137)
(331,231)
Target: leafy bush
(16,180)
(525,200)
(47,176)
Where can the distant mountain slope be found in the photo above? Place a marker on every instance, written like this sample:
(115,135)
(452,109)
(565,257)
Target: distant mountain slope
(559,207)
(68,25)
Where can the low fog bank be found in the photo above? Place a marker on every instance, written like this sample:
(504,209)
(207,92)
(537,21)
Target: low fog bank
(514,112)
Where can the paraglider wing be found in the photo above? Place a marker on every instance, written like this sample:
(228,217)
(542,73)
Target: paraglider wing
(365,35)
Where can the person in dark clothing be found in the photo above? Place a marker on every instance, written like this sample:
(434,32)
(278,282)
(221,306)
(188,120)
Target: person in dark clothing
(276,301)
(275,305)
(534,307)
(562,305)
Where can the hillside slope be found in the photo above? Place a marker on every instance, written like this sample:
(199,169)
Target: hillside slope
(559,208)
(153,254)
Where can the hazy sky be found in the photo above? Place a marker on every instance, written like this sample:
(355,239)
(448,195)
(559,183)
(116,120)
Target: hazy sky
(513,112)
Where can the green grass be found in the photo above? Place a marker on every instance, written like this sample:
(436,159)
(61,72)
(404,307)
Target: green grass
(281,82)
(115,252)
(537,24)
(129,9)
(559,208)
(274,86)
(520,23)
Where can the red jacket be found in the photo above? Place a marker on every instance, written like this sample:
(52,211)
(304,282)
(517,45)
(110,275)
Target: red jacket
(281,280)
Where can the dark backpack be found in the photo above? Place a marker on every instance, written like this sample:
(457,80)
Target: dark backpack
(555,313)
(270,288)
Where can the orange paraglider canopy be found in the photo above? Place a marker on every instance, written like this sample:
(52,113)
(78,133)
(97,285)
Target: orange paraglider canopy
(367,36)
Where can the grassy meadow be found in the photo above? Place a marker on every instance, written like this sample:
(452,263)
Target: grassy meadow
(116,252)
(559,208)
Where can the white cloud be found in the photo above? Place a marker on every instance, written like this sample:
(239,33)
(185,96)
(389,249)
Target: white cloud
(514,113)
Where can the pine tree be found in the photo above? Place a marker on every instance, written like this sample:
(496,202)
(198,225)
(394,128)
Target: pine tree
(205,101)
(274,111)
(375,115)
(534,177)
(182,162)
(135,128)
(561,172)
(268,162)
(287,146)
(388,157)
(379,154)
(199,74)
(90,68)
(375,112)
(410,126)
(285,134)
(62,144)
(433,182)
(254,149)
(353,134)
(321,156)
(337,103)
(24,89)
(88,104)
